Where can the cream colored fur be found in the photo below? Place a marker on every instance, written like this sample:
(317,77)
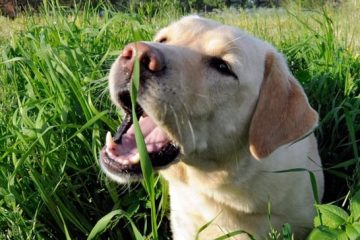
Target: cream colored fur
(234,133)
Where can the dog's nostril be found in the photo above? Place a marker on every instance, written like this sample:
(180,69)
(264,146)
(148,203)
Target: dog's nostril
(152,59)
(127,53)
(151,62)
(146,61)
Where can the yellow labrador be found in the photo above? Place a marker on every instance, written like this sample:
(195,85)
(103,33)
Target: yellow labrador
(220,112)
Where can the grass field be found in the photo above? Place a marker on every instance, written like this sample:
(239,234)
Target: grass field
(55,111)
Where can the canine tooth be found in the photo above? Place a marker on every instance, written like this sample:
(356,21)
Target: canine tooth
(135,159)
(124,162)
(109,140)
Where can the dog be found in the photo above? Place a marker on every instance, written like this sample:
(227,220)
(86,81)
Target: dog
(222,117)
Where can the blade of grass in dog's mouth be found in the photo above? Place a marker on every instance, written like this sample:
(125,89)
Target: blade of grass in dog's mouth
(145,163)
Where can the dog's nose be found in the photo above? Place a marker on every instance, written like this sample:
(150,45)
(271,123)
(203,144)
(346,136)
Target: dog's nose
(150,58)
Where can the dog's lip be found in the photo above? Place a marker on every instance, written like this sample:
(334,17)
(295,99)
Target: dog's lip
(159,160)
(125,103)
(115,167)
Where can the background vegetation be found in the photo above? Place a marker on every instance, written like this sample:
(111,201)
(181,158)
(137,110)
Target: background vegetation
(55,111)
(11,7)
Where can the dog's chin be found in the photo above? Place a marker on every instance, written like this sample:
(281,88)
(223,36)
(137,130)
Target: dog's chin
(120,158)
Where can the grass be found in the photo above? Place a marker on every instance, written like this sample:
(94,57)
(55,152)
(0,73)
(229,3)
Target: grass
(145,163)
(55,112)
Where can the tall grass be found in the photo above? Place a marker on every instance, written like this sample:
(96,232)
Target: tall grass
(55,111)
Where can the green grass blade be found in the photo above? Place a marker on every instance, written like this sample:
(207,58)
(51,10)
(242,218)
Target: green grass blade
(313,185)
(145,162)
(233,234)
(102,223)
(66,231)
(203,227)
(105,221)
(312,180)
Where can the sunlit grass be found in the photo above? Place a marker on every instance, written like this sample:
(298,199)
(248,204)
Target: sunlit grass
(280,25)
(51,132)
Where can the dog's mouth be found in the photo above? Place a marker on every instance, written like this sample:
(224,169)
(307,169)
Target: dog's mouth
(120,154)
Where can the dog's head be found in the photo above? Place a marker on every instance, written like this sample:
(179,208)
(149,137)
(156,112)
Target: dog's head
(209,94)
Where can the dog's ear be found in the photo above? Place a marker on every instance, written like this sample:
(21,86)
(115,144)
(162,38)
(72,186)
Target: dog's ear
(282,113)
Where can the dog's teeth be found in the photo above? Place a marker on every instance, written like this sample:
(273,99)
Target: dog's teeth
(135,159)
(125,162)
(109,140)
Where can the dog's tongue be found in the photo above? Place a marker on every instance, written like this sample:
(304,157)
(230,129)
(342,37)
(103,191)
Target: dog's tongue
(126,152)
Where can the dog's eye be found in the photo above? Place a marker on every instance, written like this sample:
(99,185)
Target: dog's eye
(221,66)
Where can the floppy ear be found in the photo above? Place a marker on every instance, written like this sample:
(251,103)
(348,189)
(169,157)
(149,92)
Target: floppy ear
(282,113)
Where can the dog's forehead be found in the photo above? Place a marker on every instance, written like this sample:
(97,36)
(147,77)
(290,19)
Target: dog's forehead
(189,26)
(203,34)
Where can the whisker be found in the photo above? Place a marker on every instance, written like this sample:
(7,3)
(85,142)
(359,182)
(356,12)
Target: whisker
(192,132)
(177,122)
(196,94)
(189,124)
(164,111)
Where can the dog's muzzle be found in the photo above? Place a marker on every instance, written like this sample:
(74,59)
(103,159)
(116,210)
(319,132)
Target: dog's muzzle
(120,154)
